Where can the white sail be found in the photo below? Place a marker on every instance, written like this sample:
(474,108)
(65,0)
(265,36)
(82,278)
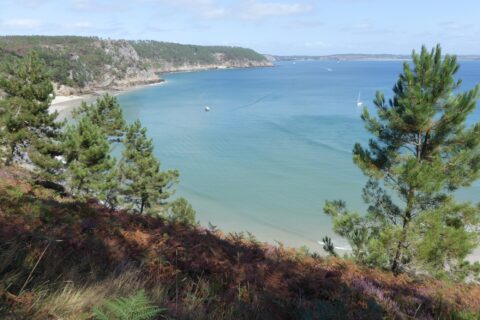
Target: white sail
(359,101)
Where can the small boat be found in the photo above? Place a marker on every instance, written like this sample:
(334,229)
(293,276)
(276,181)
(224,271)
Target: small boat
(359,101)
(207,109)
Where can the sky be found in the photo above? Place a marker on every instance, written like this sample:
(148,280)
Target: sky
(301,27)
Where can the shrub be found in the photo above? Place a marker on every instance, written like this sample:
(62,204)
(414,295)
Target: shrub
(135,307)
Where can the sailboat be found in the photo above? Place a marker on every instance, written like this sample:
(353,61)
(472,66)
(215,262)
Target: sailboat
(359,101)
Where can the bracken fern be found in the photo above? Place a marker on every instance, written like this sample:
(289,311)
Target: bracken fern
(135,307)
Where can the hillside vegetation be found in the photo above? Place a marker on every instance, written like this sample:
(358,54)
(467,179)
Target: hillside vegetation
(83,64)
(88,235)
(61,257)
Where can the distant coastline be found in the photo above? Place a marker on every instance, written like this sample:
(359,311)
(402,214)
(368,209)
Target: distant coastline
(357,57)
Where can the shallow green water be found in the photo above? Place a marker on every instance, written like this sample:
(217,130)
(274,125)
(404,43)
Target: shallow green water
(276,144)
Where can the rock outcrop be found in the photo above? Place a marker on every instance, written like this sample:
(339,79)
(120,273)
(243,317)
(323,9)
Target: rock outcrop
(87,64)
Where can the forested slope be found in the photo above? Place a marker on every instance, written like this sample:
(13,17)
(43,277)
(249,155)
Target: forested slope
(85,64)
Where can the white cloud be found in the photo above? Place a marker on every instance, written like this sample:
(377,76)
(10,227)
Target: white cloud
(254,10)
(21,23)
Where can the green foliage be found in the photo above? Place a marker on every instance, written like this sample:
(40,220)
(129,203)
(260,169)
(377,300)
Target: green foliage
(422,152)
(106,117)
(78,61)
(106,114)
(328,246)
(144,185)
(135,307)
(73,61)
(26,126)
(465,315)
(136,180)
(179,54)
(87,154)
(181,211)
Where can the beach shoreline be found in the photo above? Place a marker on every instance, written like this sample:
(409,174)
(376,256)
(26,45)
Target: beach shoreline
(269,234)
(64,104)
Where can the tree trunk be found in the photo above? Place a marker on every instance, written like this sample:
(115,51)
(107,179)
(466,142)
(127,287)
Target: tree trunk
(406,222)
(398,253)
(420,151)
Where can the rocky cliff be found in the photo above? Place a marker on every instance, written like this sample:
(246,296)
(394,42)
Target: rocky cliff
(87,64)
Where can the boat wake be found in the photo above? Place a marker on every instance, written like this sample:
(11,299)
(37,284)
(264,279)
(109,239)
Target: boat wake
(305,139)
(253,102)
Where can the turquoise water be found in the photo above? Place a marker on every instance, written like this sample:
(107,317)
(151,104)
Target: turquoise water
(276,144)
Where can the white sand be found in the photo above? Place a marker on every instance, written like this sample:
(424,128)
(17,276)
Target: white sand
(64,105)
(61,99)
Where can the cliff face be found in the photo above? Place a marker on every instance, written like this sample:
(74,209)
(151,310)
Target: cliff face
(124,69)
(85,64)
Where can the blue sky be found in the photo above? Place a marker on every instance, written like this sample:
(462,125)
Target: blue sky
(270,26)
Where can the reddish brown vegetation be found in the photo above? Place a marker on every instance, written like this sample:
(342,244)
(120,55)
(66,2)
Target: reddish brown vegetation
(88,242)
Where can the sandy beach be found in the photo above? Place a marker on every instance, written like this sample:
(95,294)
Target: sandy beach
(64,105)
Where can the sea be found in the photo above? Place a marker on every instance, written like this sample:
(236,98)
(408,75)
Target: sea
(275,145)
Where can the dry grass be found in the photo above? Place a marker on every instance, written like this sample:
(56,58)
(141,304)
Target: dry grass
(95,254)
(74,300)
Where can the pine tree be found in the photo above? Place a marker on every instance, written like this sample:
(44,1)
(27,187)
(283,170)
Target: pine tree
(87,153)
(112,187)
(106,114)
(144,184)
(422,151)
(26,125)
(181,211)
(328,246)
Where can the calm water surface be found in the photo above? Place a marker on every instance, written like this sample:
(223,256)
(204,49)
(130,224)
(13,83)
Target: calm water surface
(276,144)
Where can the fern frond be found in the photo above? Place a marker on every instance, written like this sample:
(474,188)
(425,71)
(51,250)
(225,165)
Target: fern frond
(135,307)
(99,314)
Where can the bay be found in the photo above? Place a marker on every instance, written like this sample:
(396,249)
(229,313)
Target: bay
(276,144)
